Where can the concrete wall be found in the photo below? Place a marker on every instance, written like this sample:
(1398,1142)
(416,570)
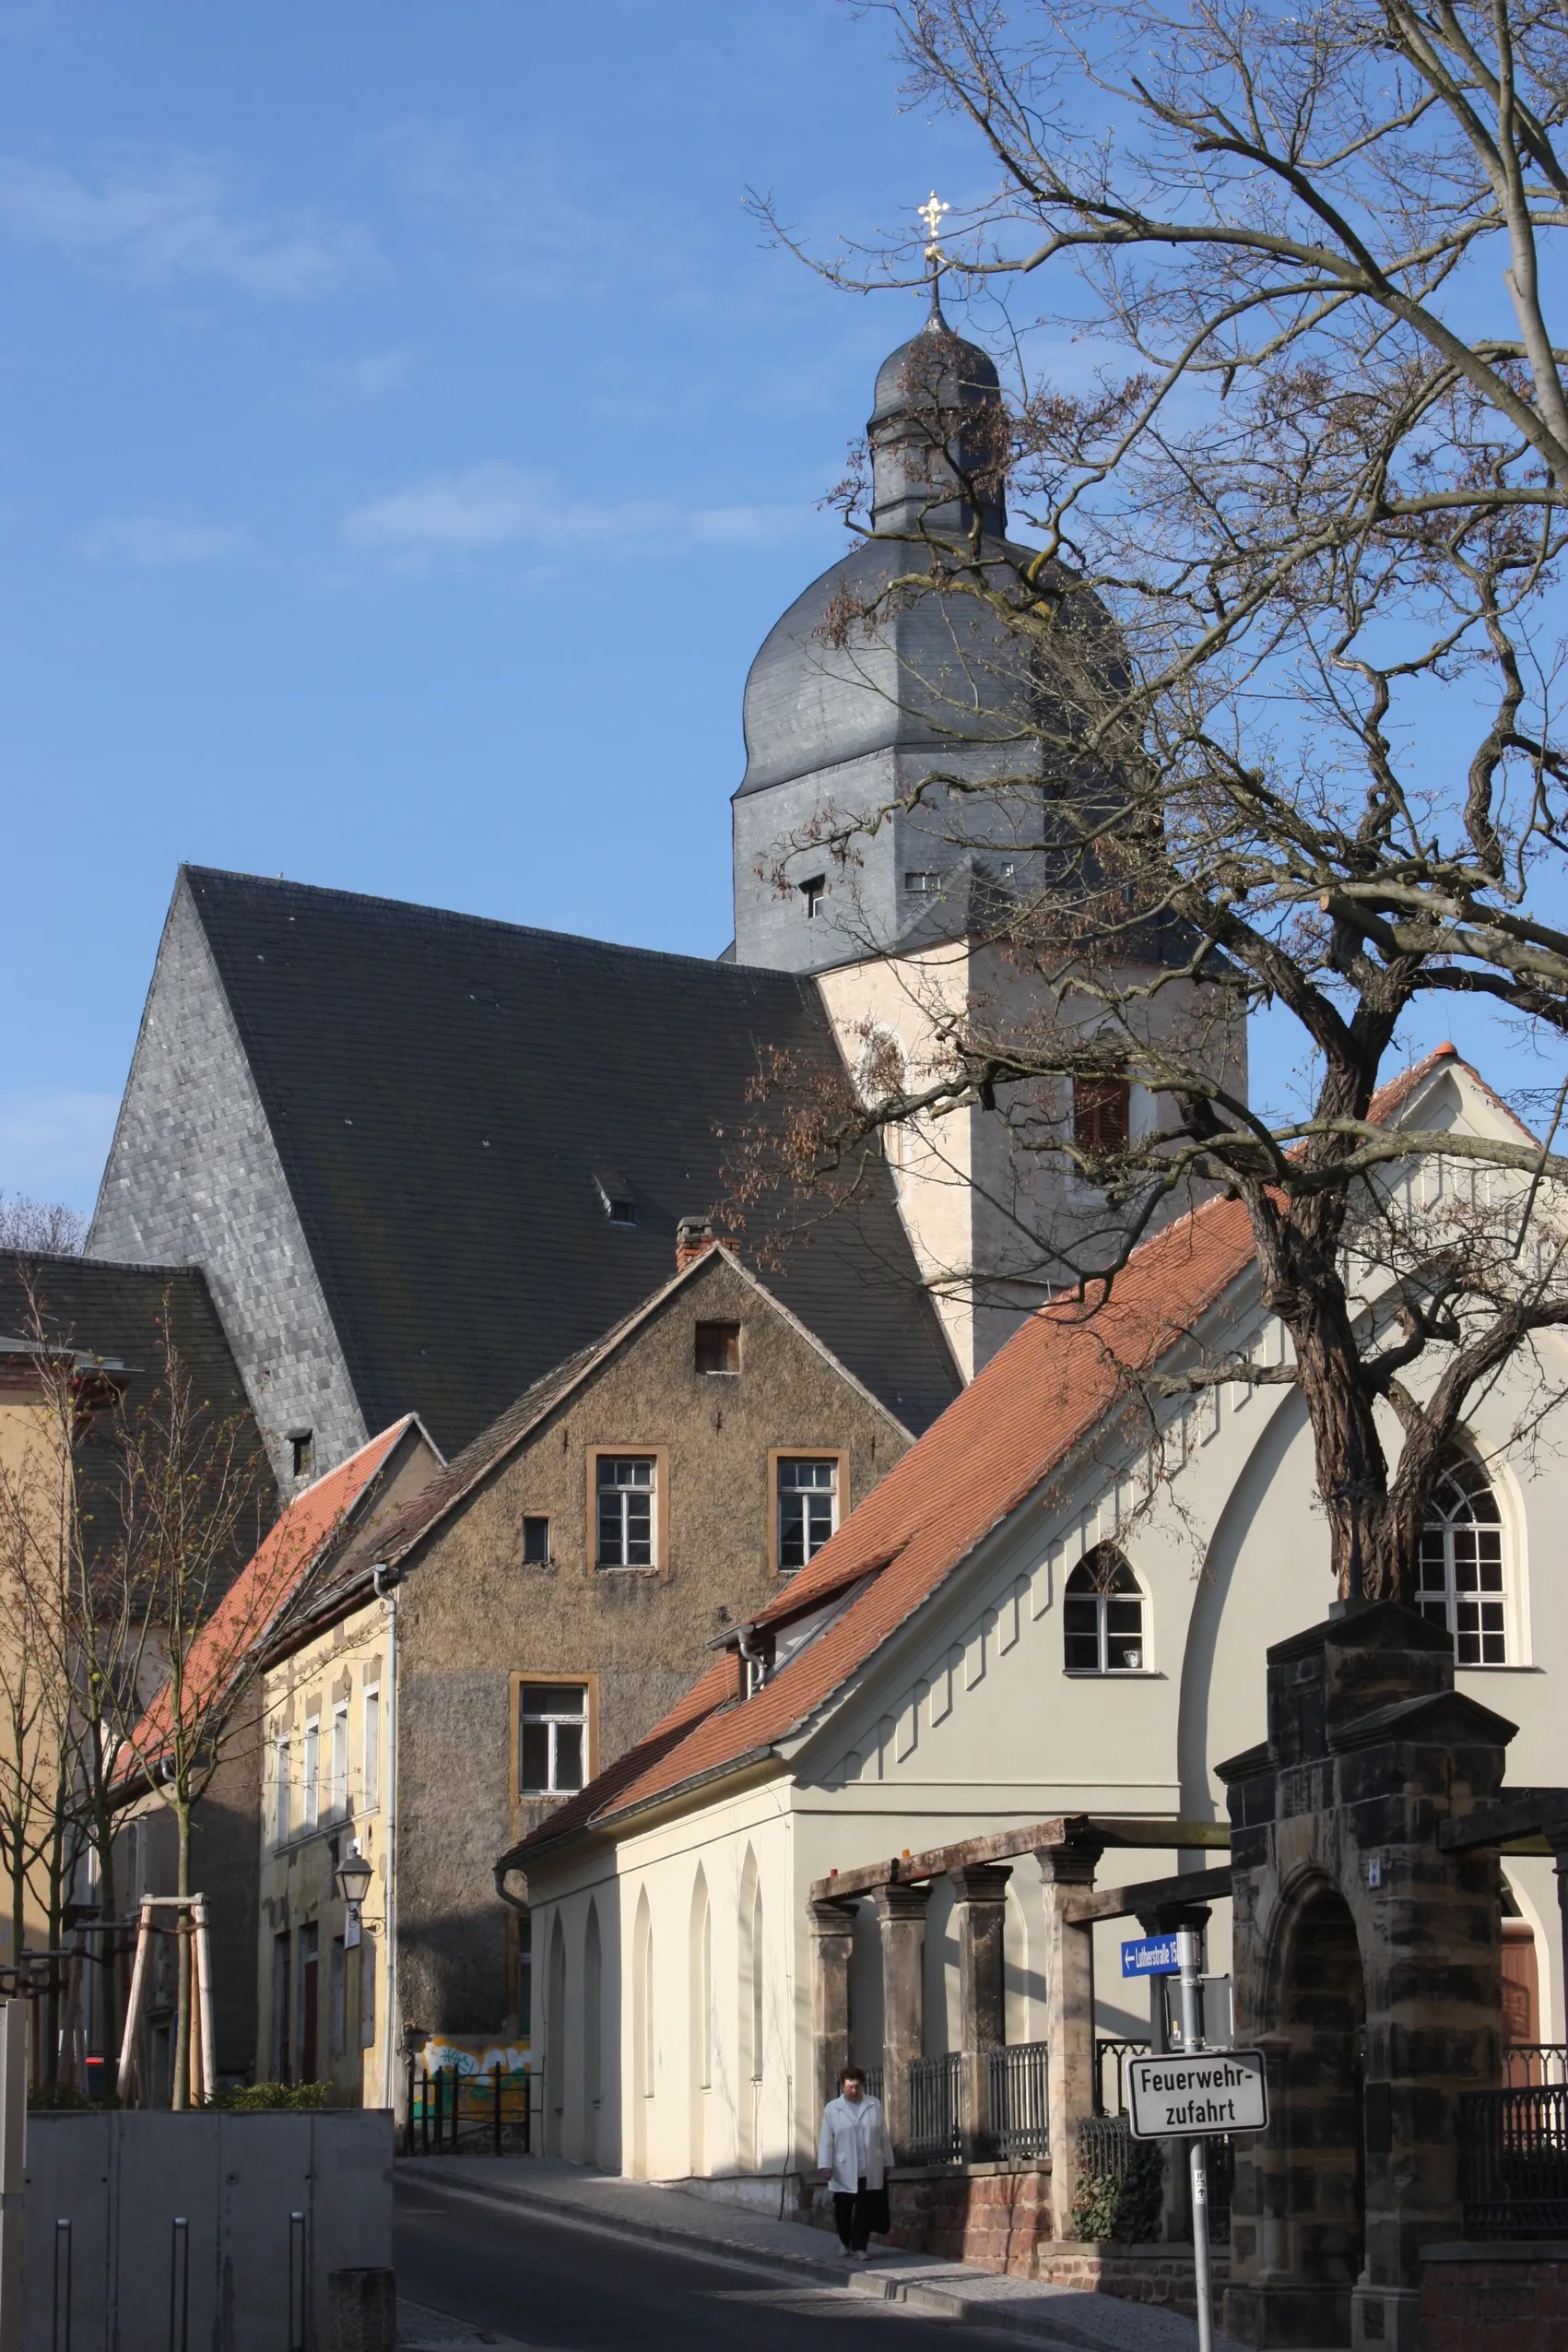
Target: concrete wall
(270,2205)
(194,1177)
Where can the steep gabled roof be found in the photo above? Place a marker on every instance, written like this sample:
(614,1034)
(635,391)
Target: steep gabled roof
(1039,1399)
(453,1099)
(509,1429)
(252,1611)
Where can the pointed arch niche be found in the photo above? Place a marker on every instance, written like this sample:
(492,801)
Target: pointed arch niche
(750,2017)
(592,2035)
(645,2059)
(700,2041)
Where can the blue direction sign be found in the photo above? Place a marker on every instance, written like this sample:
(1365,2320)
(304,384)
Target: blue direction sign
(1149,1956)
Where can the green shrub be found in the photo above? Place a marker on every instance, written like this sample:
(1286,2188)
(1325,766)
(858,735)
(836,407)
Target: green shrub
(1125,2206)
(254,2097)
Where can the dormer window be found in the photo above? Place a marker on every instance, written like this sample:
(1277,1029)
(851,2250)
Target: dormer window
(921,883)
(616,1195)
(812,893)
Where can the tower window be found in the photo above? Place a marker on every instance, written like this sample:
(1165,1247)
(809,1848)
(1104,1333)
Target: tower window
(302,1445)
(1102,1617)
(718,1348)
(812,894)
(922,884)
(1102,1116)
(536,1541)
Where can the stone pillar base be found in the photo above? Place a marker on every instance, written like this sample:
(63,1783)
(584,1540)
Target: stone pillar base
(1279,2318)
(1385,2319)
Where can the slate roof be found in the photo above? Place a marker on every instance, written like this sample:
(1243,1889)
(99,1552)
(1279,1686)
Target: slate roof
(449,1097)
(110,1312)
(1040,1397)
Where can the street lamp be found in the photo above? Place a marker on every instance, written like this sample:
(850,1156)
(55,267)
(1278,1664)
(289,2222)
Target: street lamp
(354,1875)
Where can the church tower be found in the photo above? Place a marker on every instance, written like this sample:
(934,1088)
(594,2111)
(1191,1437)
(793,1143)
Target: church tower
(852,865)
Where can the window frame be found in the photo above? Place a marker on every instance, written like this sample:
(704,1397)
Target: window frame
(369,1795)
(1103,1086)
(839,1457)
(1465,1456)
(337,1779)
(587,1682)
(813,895)
(627,1451)
(536,1518)
(1104,1673)
(282,1790)
(727,1324)
(310,1787)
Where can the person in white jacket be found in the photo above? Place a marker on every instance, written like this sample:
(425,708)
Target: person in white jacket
(856,2153)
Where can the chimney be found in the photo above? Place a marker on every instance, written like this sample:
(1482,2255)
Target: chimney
(693,1237)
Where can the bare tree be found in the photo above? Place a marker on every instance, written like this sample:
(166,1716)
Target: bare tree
(41,1227)
(1289,629)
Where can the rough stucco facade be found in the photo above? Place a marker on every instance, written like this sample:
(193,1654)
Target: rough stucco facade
(474,1621)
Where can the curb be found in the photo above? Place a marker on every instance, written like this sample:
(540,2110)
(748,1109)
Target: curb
(626,2224)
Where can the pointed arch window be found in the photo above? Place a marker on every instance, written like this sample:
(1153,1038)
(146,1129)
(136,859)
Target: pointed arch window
(1102,1617)
(1461,1576)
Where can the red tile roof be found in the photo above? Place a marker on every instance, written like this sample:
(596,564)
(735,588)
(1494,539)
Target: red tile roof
(1040,1397)
(302,1541)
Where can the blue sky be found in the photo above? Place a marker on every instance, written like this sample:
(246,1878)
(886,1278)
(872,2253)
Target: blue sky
(406,441)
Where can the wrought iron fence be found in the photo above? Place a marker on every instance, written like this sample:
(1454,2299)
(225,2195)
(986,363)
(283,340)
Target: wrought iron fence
(935,2088)
(1513,2161)
(486,2114)
(1111,2055)
(1016,2084)
(1527,2065)
(873,2081)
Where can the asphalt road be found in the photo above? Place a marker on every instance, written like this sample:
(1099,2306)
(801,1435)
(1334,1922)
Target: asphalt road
(556,2287)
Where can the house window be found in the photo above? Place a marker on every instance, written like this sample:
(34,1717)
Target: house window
(370,1749)
(338,1790)
(536,1541)
(303,1446)
(1459,1581)
(807,1507)
(1103,1615)
(625,1495)
(281,1824)
(1102,1116)
(922,884)
(718,1347)
(812,894)
(312,1792)
(552,1738)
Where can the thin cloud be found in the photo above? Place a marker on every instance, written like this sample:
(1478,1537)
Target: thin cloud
(160,220)
(450,517)
(369,377)
(153,543)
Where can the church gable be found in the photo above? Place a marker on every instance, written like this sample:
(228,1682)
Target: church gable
(486,1137)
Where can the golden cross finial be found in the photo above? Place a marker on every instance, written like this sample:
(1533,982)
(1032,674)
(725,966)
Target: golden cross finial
(931,212)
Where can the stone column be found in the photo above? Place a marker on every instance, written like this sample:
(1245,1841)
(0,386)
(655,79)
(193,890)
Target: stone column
(833,1931)
(901,1915)
(980,1897)
(1069,2018)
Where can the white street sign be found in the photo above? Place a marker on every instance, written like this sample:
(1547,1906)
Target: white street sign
(1183,2098)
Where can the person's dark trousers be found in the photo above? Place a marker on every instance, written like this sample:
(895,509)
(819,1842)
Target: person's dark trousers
(857,2217)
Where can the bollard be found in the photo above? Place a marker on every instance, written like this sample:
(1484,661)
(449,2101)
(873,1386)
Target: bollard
(362,2311)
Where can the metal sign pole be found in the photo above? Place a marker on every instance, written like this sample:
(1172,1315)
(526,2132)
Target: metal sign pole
(1189,1962)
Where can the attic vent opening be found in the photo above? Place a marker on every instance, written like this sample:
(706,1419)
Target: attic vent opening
(616,1198)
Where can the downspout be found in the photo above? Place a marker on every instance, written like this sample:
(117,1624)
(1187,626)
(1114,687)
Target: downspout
(388,1599)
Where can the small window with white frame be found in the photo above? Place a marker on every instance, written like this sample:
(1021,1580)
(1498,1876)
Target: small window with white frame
(370,1746)
(624,1507)
(807,1507)
(1461,1576)
(337,1787)
(1102,1617)
(310,1808)
(282,1808)
(552,1738)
